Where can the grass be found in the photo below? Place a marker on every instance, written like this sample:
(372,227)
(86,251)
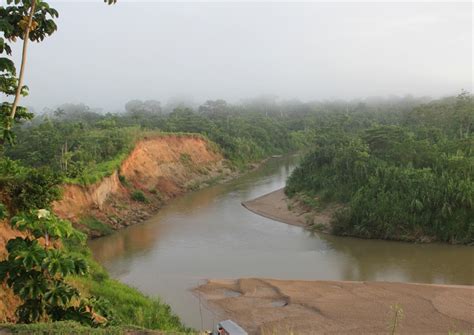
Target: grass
(96,172)
(309,201)
(99,171)
(93,223)
(317,227)
(274,331)
(66,328)
(131,307)
(123,180)
(128,307)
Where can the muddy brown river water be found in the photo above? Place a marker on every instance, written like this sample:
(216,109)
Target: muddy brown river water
(208,234)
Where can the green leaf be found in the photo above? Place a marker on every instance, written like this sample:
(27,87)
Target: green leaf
(57,262)
(60,294)
(3,211)
(7,65)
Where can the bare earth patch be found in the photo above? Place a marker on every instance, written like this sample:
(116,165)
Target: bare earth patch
(277,206)
(266,306)
(161,168)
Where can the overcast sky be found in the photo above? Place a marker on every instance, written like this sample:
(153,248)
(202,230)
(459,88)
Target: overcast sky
(106,55)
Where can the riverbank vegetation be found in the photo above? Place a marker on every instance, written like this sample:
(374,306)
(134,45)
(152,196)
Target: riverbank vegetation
(402,169)
(90,146)
(85,144)
(405,170)
(48,277)
(51,270)
(410,178)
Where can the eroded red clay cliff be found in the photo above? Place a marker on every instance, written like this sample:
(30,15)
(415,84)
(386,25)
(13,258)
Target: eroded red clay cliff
(161,168)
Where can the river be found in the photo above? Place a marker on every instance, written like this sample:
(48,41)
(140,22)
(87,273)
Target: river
(208,234)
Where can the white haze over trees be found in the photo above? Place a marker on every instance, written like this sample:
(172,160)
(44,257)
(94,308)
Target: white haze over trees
(105,56)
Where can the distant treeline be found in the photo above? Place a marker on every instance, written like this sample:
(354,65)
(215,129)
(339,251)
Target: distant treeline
(402,167)
(74,139)
(411,178)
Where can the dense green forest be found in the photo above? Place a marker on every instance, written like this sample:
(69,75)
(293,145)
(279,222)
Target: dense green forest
(79,142)
(402,168)
(410,179)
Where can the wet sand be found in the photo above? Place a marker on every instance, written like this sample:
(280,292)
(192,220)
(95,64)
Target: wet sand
(276,206)
(267,306)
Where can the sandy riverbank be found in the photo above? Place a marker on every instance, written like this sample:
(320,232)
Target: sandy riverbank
(266,306)
(277,206)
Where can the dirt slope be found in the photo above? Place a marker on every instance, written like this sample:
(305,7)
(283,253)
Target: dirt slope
(8,302)
(161,167)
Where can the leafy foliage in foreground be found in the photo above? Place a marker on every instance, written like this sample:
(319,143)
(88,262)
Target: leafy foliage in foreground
(37,272)
(53,273)
(37,268)
(413,181)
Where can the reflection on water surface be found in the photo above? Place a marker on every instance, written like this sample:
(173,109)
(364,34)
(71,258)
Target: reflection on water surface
(208,234)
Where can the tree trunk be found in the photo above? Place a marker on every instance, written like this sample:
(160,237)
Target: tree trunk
(26,38)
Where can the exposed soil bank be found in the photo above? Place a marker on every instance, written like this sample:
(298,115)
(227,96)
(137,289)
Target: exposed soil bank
(160,168)
(8,301)
(277,206)
(266,306)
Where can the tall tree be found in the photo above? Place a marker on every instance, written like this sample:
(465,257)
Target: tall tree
(28,20)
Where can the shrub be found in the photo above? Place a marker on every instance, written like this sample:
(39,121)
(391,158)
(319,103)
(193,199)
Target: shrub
(37,274)
(123,180)
(138,195)
(94,224)
(37,189)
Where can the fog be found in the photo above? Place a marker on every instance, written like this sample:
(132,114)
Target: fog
(105,55)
